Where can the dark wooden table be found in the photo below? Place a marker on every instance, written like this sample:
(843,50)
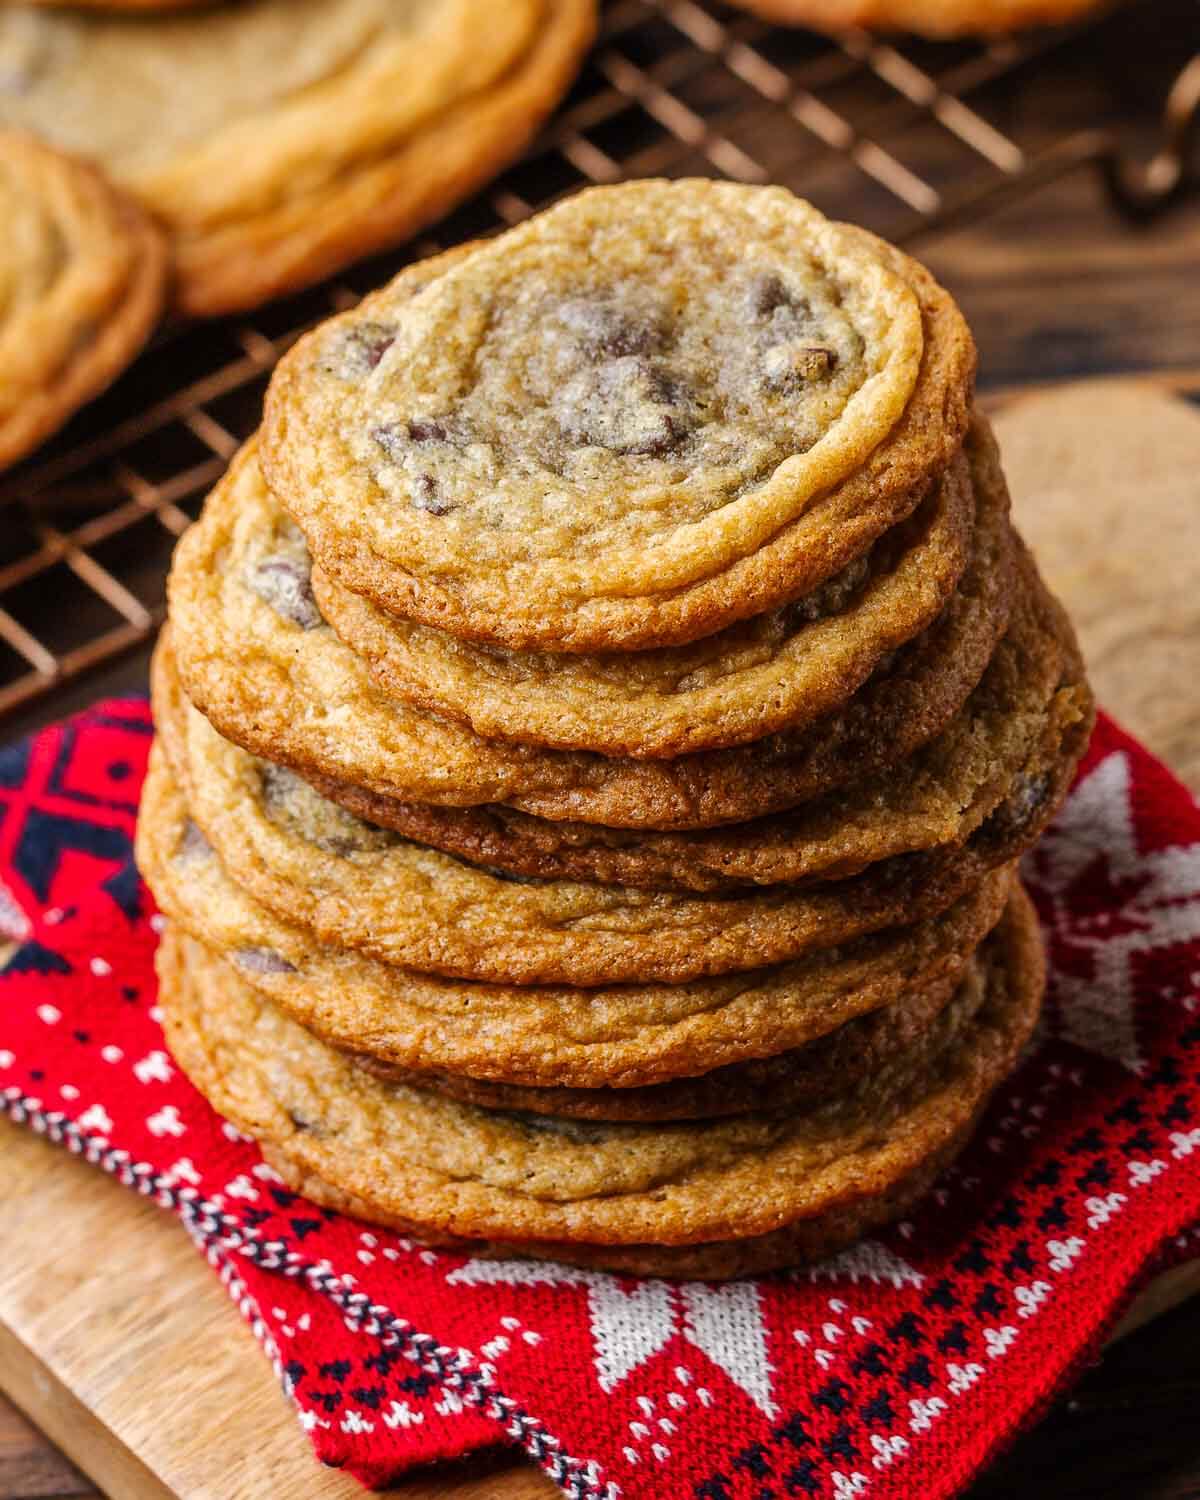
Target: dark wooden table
(1054,288)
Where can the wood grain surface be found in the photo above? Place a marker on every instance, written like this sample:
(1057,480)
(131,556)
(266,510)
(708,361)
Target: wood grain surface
(1107,492)
(117,1339)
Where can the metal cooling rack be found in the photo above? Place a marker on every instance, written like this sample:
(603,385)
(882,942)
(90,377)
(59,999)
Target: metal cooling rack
(910,138)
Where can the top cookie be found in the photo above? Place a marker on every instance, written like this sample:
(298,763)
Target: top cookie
(81,286)
(651,411)
(279,139)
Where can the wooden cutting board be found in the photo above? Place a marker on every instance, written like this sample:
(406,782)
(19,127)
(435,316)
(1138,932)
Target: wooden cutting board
(117,1339)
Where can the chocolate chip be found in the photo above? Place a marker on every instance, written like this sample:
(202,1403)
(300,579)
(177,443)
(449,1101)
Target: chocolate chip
(343,845)
(574,1130)
(1014,821)
(396,440)
(629,405)
(509,877)
(263,961)
(278,784)
(767,292)
(425,496)
(786,366)
(831,597)
(360,837)
(1026,798)
(604,328)
(355,350)
(286,585)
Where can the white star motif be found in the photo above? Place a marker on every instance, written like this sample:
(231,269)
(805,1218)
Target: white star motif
(1163,908)
(400,1414)
(630,1326)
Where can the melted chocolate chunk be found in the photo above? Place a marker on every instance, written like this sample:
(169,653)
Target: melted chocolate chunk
(263,961)
(604,328)
(1017,816)
(355,350)
(425,496)
(286,585)
(629,405)
(508,876)
(574,1130)
(287,797)
(1026,799)
(397,439)
(787,366)
(343,845)
(363,837)
(278,784)
(767,294)
(831,597)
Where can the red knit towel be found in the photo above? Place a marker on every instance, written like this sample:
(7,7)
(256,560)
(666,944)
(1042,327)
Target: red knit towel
(898,1369)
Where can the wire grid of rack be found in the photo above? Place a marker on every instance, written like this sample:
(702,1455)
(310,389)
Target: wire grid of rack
(902,137)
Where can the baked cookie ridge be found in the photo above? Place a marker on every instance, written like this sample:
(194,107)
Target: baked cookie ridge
(258,659)
(456,1170)
(621,1038)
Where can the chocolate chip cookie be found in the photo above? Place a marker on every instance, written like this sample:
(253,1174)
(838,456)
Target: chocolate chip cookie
(782,670)
(1011,728)
(648,412)
(1008,735)
(280,139)
(358,886)
(82,273)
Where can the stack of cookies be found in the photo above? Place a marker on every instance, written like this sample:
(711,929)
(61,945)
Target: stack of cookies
(598,723)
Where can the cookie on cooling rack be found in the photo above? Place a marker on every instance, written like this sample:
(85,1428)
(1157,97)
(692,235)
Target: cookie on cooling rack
(82,272)
(651,411)
(930,18)
(278,140)
(709,1198)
